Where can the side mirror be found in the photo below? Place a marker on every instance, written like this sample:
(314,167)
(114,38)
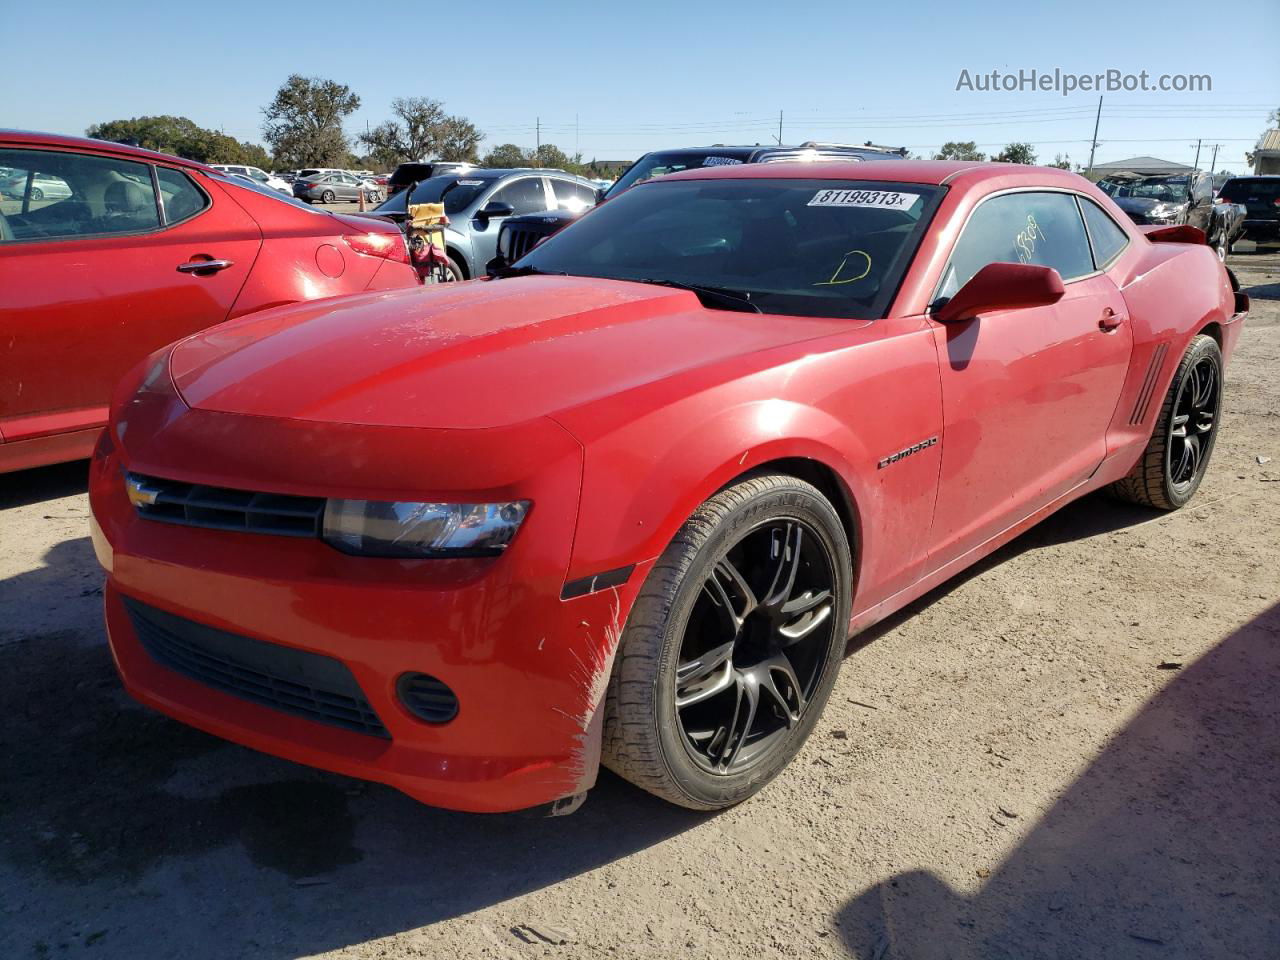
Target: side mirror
(494,209)
(1002,286)
(600,192)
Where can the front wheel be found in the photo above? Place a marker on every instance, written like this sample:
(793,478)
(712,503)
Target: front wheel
(1177,455)
(732,647)
(328,197)
(37,193)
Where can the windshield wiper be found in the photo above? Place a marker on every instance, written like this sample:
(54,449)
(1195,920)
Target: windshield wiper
(731,299)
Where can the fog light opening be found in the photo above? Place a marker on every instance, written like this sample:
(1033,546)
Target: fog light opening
(427,698)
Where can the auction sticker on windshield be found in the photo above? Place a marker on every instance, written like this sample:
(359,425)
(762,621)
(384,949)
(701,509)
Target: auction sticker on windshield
(885,199)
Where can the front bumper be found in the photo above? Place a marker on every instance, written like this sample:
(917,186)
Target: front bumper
(528,668)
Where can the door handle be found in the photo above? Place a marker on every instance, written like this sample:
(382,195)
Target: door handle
(204,266)
(1110,319)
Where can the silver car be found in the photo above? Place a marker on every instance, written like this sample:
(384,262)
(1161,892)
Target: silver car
(328,187)
(478,201)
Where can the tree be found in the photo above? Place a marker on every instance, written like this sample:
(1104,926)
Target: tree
(421,131)
(1061,162)
(1016,153)
(181,137)
(459,140)
(303,123)
(505,156)
(959,150)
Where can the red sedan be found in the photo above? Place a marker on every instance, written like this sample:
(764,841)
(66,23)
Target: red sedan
(629,502)
(108,252)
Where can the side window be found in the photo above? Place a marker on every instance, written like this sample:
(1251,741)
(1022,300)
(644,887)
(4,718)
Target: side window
(1108,239)
(1040,228)
(525,196)
(1204,189)
(179,196)
(573,196)
(49,195)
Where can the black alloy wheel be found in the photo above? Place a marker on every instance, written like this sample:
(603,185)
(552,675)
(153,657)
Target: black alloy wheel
(1195,418)
(754,646)
(732,646)
(1174,461)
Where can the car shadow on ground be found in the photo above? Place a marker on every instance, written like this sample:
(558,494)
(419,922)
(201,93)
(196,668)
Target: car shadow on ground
(26,487)
(1167,845)
(1094,515)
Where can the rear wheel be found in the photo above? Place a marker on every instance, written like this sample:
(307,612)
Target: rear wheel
(1177,455)
(37,193)
(732,647)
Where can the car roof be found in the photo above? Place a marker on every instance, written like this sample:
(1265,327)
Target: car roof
(30,138)
(936,172)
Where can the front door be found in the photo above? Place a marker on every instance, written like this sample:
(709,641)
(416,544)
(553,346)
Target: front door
(1027,394)
(96,280)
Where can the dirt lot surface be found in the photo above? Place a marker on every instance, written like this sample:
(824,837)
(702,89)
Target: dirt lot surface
(1073,751)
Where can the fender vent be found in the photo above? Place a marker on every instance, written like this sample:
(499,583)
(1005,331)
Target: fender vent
(1149,385)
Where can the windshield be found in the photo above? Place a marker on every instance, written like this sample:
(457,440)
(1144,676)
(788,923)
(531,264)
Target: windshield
(660,164)
(821,248)
(1152,188)
(456,192)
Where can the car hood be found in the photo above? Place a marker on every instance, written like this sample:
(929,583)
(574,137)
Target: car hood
(1143,204)
(471,355)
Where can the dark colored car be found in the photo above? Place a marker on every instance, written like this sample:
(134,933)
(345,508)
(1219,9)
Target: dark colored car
(519,235)
(1178,199)
(1260,196)
(529,230)
(408,173)
(662,162)
(132,251)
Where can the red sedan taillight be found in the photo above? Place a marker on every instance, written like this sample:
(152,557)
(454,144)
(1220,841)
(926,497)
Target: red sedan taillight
(388,246)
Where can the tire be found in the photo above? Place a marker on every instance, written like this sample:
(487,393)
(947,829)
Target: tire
(455,272)
(37,193)
(327,197)
(676,627)
(1162,478)
(1221,247)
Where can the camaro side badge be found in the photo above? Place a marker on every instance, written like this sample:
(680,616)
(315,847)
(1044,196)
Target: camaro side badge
(914,448)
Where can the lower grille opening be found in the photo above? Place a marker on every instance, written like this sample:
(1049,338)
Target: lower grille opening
(306,684)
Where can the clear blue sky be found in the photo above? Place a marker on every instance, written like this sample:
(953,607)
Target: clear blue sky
(643,75)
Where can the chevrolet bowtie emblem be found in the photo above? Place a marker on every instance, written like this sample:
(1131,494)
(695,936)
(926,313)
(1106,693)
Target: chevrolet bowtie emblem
(141,494)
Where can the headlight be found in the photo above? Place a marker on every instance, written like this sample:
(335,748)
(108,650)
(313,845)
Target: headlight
(379,528)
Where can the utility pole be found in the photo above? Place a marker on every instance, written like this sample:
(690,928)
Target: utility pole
(1094,144)
(1213,164)
(779,128)
(1196,165)
(537,127)
(576,149)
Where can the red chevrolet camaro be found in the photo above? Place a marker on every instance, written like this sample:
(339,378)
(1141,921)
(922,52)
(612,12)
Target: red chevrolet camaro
(108,252)
(628,502)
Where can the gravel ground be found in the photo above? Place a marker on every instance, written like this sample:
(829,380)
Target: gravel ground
(1071,751)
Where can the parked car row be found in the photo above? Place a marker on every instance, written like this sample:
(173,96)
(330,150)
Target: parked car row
(109,252)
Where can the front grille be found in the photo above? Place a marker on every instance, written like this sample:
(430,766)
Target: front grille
(520,240)
(220,508)
(309,685)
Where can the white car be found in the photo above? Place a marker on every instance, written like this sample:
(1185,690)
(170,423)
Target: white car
(255,174)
